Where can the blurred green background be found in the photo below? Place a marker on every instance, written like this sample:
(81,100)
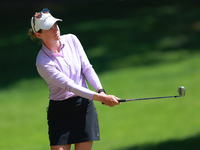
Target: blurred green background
(139,48)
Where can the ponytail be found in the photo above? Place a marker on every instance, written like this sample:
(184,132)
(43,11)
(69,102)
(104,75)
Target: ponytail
(31,33)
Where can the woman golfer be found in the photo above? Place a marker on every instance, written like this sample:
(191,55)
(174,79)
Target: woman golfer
(62,62)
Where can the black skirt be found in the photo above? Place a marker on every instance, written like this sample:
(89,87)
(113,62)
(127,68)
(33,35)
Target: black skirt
(71,121)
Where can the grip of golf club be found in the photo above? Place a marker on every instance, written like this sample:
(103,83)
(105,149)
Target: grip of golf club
(122,100)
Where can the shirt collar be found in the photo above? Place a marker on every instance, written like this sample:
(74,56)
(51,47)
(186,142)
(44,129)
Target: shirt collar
(50,53)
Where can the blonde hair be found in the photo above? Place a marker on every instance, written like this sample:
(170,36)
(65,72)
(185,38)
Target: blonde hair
(31,33)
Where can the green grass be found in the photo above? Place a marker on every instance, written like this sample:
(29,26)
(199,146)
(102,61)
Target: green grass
(140,125)
(153,121)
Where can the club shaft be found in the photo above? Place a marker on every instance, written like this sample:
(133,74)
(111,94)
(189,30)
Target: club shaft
(127,100)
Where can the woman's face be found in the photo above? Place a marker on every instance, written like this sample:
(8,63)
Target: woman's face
(50,35)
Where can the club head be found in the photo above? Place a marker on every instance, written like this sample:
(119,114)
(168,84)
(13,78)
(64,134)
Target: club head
(181,91)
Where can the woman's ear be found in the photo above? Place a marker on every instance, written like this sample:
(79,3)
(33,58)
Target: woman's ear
(38,35)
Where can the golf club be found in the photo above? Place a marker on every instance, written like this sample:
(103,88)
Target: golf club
(181,92)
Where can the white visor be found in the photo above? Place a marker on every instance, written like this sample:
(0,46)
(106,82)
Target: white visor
(45,22)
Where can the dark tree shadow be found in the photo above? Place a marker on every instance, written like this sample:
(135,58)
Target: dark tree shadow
(190,143)
(114,34)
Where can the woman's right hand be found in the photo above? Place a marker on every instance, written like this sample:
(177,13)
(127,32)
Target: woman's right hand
(109,100)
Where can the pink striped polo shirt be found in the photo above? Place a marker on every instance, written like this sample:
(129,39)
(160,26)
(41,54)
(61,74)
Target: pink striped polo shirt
(64,72)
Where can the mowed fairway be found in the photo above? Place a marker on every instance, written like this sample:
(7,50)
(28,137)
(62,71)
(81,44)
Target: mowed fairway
(141,125)
(146,124)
